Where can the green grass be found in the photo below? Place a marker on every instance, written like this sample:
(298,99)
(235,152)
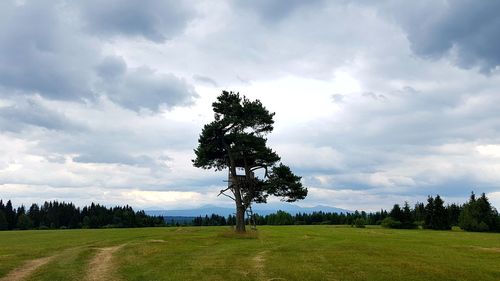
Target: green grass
(286,252)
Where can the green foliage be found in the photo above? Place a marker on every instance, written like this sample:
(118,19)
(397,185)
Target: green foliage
(283,218)
(236,135)
(407,220)
(10,215)
(419,212)
(212,220)
(441,217)
(453,213)
(400,218)
(436,215)
(280,218)
(396,213)
(283,183)
(61,215)
(479,215)
(3,221)
(236,140)
(390,222)
(24,222)
(360,223)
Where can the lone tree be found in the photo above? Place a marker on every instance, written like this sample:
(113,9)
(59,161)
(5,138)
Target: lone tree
(236,140)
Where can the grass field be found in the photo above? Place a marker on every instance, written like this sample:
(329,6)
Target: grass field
(274,253)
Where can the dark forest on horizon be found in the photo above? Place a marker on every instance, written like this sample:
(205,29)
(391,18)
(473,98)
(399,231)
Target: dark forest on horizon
(475,215)
(62,215)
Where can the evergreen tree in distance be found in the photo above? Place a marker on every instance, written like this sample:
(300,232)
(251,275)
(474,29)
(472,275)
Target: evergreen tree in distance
(429,213)
(407,220)
(3,221)
(396,213)
(441,218)
(436,215)
(400,218)
(479,215)
(236,141)
(10,215)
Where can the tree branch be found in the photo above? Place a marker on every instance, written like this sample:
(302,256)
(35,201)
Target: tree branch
(261,167)
(222,193)
(229,128)
(224,190)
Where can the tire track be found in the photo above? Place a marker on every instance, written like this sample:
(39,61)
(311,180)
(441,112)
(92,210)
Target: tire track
(101,266)
(26,270)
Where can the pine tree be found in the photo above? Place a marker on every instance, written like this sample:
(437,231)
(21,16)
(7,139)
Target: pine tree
(429,213)
(479,215)
(10,215)
(419,212)
(4,225)
(24,222)
(396,213)
(236,141)
(441,217)
(453,213)
(407,220)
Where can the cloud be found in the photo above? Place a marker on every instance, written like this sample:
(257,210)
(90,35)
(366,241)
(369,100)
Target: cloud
(231,43)
(40,52)
(24,113)
(139,199)
(102,145)
(274,11)
(111,68)
(205,80)
(155,20)
(466,31)
(143,87)
(399,139)
(44,52)
(118,158)
(337,98)
(370,106)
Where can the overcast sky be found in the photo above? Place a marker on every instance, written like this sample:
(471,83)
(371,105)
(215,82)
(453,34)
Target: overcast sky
(375,103)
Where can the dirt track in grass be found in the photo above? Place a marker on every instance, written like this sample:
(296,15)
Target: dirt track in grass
(26,269)
(101,266)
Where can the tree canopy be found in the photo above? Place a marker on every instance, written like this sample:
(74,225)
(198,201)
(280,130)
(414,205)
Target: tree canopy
(479,215)
(236,141)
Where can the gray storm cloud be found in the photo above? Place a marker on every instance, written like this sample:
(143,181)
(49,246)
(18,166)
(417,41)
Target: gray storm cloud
(40,53)
(373,100)
(467,31)
(44,51)
(144,88)
(155,20)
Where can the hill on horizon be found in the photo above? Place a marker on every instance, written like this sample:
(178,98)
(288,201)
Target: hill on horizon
(261,209)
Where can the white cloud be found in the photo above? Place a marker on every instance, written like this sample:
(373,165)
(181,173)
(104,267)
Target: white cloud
(363,113)
(489,150)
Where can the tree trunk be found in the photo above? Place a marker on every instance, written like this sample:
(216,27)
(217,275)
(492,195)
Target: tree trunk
(240,218)
(240,208)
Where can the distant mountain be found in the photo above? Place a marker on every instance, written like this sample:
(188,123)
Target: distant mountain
(261,209)
(201,211)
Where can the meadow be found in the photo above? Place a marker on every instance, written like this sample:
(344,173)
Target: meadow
(271,253)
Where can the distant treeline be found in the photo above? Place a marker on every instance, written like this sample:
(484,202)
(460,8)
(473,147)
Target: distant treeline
(284,218)
(57,215)
(475,215)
